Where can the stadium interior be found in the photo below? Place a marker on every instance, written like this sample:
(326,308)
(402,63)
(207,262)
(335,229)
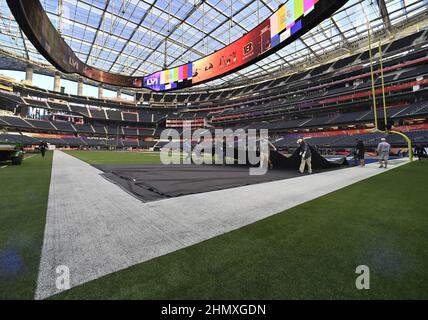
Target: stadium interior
(331,104)
(360,74)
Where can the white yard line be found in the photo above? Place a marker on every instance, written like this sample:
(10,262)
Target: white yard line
(95,228)
(26,158)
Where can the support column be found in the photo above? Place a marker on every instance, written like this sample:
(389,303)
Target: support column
(100,91)
(119,93)
(57,82)
(80,87)
(29,74)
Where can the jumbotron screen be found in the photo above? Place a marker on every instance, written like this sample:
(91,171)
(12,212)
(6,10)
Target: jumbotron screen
(289,22)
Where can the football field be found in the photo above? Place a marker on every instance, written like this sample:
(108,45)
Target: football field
(310,251)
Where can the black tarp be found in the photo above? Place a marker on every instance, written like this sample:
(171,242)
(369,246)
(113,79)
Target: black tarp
(155,182)
(293,162)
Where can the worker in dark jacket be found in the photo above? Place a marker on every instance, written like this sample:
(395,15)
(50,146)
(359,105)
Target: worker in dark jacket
(360,152)
(420,152)
(43,146)
(305,152)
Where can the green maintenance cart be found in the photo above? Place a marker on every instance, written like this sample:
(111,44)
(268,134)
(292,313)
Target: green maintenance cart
(11,152)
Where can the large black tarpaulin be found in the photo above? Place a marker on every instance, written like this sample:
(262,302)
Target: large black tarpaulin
(154,182)
(293,162)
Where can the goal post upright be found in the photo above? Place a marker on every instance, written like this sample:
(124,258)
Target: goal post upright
(409,142)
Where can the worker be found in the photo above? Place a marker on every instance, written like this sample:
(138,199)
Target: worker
(360,151)
(305,152)
(420,152)
(43,146)
(383,150)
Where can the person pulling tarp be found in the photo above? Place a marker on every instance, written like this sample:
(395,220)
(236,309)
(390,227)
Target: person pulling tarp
(306,156)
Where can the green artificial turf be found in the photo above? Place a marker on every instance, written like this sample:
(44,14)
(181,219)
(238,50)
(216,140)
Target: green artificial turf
(24,192)
(116,157)
(310,251)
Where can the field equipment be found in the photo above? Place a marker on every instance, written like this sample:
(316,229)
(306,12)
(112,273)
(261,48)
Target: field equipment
(11,152)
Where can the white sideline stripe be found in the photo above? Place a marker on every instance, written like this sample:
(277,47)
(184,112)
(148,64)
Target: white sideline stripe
(95,228)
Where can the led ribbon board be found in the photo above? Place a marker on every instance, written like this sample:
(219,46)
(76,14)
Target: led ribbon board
(289,22)
(38,28)
(292,19)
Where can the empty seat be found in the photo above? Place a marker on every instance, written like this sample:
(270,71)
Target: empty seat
(114,115)
(100,129)
(130,143)
(97,114)
(169,98)
(16,122)
(345,62)
(59,106)
(36,102)
(404,42)
(79,109)
(63,126)
(129,116)
(145,132)
(41,124)
(414,72)
(114,130)
(84,128)
(321,69)
(130,131)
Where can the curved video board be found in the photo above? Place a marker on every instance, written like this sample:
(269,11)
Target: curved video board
(292,19)
(38,28)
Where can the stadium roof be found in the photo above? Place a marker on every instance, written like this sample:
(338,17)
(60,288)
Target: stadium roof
(131,37)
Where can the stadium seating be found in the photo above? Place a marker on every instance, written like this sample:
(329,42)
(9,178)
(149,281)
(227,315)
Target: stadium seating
(98,114)
(18,138)
(114,130)
(130,131)
(130,117)
(114,115)
(64,126)
(335,94)
(100,129)
(41,124)
(59,106)
(371,140)
(16,122)
(84,128)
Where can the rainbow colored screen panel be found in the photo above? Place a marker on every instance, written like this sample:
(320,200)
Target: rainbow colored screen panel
(287,20)
(174,78)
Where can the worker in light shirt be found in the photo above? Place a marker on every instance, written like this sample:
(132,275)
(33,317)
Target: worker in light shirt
(306,154)
(383,150)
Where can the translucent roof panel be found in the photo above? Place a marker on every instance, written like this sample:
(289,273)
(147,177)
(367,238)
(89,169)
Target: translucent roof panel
(138,37)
